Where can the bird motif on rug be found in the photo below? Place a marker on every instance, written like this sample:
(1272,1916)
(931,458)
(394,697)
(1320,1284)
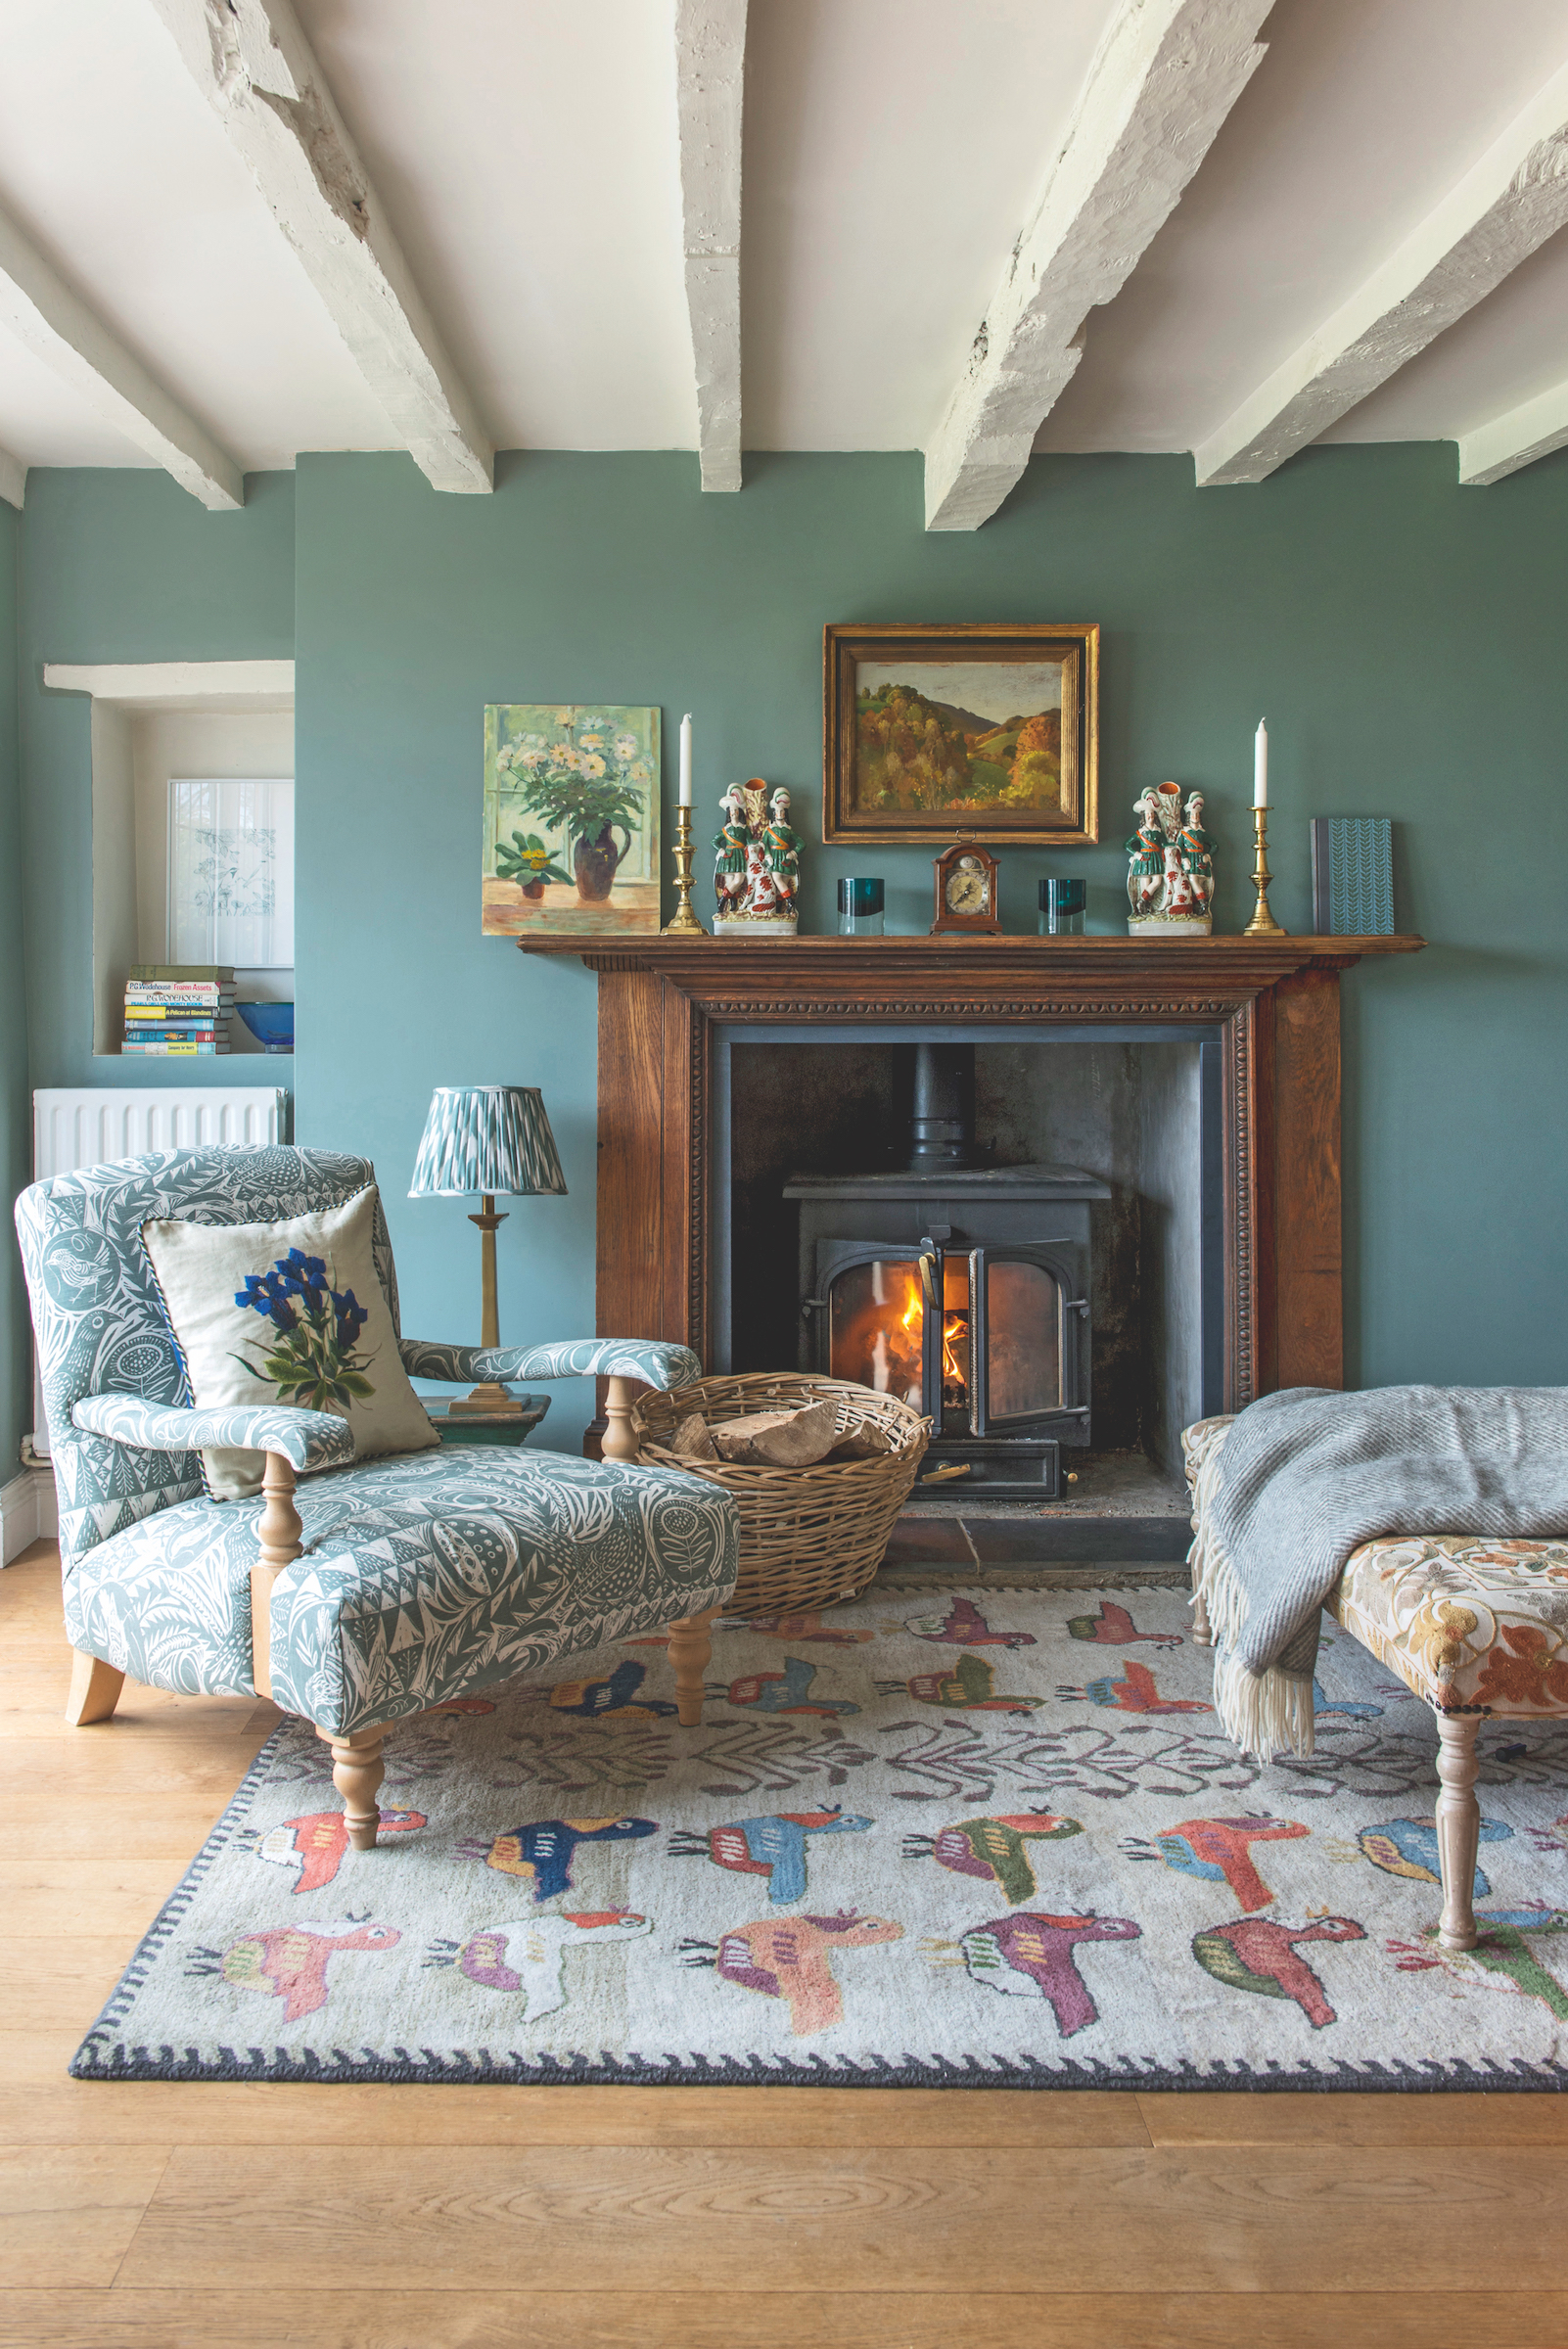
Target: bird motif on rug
(1112,1627)
(1216,1848)
(614,1698)
(290,1962)
(543,1850)
(526,1956)
(771,1846)
(994,1848)
(1341,1708)
(786,1691)
(1030,1956)
(314,1846)
(808,1627)
(1133,1692)
(967,1686)
(964,1625)
(1408,1847)
(1502,1949)
(1258,1954)
(789,1957)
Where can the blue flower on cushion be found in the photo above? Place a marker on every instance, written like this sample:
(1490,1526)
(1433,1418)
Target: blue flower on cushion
(267,1293)
(352,1317)
(311,1361)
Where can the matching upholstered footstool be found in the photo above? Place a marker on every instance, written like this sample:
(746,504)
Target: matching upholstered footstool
(1477,1628)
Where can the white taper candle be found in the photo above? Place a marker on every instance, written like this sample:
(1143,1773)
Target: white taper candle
(685,760)
(1260,765)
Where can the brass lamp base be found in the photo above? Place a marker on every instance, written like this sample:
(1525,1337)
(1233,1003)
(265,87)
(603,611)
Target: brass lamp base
(487,1402)
(489,1399)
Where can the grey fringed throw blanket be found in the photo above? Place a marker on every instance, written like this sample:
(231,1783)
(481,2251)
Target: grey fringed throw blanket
(1303,1477)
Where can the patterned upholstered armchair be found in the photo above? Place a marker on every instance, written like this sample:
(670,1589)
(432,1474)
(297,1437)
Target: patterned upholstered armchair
(372,1591)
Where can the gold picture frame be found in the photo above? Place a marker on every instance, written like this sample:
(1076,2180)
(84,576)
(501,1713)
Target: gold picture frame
(914,751)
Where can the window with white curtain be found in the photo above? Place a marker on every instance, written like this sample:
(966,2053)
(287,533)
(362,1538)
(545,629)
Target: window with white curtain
(230,870)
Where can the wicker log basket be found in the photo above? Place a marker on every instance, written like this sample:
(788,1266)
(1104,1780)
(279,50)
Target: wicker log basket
(810,1537)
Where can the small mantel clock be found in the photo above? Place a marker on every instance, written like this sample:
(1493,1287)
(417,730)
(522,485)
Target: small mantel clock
(966,890)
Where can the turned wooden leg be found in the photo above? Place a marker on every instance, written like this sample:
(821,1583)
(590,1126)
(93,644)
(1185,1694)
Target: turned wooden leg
(618,1443)
(690,1646)
(279,1539)
(357,1769)
(1458,1827)
(95,1688)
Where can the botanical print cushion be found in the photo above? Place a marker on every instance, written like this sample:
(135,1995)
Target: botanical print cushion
(288,1312)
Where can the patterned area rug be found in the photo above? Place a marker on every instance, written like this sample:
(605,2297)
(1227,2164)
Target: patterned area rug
(979,1837)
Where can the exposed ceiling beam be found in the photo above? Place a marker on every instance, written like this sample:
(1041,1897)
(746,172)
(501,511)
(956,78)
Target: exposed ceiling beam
(1489,222)
(710,76)
(13,478)
(56,325)
(252,64)
(1505,443)
(1162,81)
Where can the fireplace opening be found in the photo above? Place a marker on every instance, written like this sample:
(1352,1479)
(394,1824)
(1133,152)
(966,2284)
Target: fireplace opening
(962,1287)
(1018,1236)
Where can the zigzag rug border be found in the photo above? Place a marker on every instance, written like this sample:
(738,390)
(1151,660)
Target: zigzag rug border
(904,1582)
(1455,2077)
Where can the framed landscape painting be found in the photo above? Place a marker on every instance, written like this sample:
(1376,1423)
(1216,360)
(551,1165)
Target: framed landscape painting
(570,818)
(986,729)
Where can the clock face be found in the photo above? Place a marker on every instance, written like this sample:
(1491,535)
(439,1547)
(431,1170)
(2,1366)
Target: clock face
(968,889)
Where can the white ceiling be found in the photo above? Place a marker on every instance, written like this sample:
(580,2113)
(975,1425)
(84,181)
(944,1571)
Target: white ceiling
(525,154)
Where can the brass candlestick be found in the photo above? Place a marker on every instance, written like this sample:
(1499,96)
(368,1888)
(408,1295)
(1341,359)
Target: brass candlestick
(684,923)
(1262,923)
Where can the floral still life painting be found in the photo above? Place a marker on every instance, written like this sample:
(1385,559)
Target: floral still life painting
(570,818)
(984,730)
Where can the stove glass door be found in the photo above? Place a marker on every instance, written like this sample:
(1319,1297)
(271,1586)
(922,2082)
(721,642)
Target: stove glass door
(1025,1337)
(876,1326)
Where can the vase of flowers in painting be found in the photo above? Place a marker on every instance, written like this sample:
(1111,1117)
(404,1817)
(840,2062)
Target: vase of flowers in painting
(588,781)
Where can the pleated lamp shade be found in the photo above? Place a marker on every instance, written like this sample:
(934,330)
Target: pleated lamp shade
(487,1138)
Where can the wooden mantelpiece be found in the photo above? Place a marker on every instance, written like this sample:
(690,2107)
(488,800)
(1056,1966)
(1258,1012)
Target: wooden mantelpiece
(1275,1001)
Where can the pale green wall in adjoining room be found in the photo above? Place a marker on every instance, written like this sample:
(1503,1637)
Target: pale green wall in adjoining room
(123,566)
(16,1124)
(1403,635)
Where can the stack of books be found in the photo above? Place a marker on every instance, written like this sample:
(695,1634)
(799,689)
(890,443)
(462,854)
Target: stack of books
(177,1010)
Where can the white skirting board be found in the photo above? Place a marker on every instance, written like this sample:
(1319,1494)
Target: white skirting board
(27,1512)
(90,1124)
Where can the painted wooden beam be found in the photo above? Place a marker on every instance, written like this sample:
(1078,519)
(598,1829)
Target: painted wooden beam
(57,326)
(1505,443)
(1489,221)
(710,76)
(12,480)
(1164,78)
(252,64)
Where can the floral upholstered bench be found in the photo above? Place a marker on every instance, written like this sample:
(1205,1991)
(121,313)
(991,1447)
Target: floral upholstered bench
(1477,1628)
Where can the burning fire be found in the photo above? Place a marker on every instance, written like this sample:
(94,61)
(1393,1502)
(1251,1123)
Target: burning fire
(880,1344)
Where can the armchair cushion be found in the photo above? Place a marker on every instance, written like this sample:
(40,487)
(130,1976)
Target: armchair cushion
(421,1578)
(650,1359)
(288,1312)
(305,1439)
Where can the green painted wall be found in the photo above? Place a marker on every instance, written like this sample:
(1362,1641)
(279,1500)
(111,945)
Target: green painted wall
(16,1124)
(1403,635)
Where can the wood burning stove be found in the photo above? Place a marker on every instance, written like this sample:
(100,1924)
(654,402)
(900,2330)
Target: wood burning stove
(960,1286)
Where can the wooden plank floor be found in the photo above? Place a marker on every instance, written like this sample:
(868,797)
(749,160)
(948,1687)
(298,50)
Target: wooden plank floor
(165,2216)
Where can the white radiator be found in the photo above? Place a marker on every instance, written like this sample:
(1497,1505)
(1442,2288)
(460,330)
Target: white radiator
(84,1125)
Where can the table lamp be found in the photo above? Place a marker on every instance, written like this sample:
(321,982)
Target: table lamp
(490,1139)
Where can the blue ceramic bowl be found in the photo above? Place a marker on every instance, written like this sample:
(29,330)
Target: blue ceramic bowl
(271,1024)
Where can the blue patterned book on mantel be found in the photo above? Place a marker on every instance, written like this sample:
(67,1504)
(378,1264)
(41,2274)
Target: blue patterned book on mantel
(1353,876)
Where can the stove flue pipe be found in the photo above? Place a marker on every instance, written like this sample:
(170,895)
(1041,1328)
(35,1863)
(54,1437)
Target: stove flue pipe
(943,1125)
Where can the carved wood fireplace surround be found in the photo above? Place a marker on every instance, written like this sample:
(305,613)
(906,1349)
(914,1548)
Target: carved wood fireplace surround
(1276,1000)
